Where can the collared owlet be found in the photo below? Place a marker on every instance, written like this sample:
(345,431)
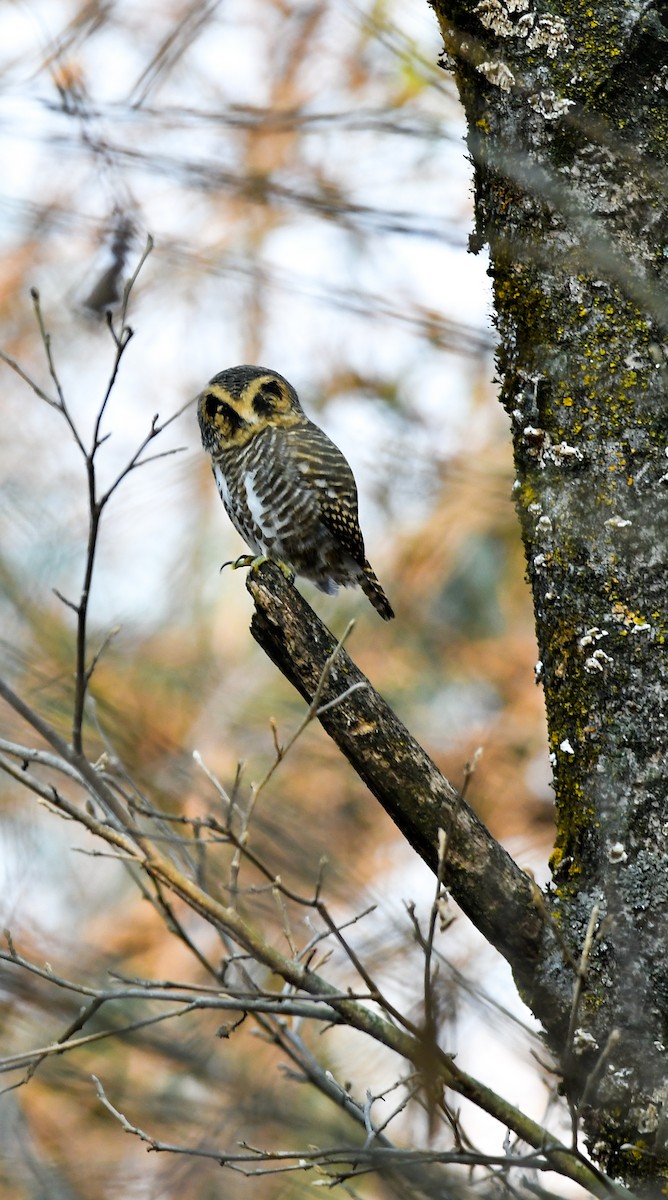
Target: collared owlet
(287,489)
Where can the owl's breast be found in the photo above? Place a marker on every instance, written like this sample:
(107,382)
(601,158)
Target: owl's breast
(230,484)
(276,492)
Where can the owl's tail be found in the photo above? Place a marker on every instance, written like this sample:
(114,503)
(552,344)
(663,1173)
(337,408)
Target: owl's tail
(372,589)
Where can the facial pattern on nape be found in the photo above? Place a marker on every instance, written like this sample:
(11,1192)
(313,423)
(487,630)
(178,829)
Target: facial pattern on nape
(238,382)
(235,380)
(268,397)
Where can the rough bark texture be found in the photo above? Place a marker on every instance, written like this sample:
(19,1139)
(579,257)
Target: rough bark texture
(567,108)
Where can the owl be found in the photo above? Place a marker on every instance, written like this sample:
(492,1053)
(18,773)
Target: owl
(286,487)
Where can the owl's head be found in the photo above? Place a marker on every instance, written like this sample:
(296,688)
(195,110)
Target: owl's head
(240,402)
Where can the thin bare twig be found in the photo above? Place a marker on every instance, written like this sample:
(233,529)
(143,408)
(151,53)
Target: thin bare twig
(314,710)
(374,990)
(12,1061)
(470,770)
(363,1158)
(11,362)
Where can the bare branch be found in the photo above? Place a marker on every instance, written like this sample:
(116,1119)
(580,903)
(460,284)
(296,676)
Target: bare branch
(360,1159)
(32,1058)
(27,754)
(11,362)
(314,710)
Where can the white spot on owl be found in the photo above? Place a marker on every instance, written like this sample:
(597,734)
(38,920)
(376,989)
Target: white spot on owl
(221,484)
(255,505)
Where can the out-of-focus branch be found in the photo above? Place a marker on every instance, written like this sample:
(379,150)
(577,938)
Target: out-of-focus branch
(501,899)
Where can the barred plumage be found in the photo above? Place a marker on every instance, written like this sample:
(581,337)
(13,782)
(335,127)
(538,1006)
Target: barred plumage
(286,487)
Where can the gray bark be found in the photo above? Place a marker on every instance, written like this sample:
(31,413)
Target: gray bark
(567,109)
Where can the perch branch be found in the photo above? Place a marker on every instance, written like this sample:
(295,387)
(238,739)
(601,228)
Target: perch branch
(484,880)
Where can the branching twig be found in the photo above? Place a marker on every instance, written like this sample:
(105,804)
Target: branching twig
(29,1057)
(18,369)
(375,1156)
(97,500)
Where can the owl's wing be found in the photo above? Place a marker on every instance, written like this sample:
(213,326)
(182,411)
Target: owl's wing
(330,478)
(342,520)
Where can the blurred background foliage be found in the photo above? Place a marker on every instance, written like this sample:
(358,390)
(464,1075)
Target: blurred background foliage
(301,169)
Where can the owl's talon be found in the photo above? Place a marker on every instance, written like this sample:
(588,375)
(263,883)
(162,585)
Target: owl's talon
(244,560)
(257,560)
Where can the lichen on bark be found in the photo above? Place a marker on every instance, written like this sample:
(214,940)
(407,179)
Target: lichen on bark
(569,146)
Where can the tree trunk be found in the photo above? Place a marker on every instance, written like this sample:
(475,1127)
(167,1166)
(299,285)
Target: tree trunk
(567,112)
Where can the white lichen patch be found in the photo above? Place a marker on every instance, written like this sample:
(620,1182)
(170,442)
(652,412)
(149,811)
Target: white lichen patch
(592,635)
(597,661)
(617,853)
(547,30)
(550,31)
(498,74)
(549,105)
(617,523)
(494,16)
(566,747)
(583,1040)
(565,453)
